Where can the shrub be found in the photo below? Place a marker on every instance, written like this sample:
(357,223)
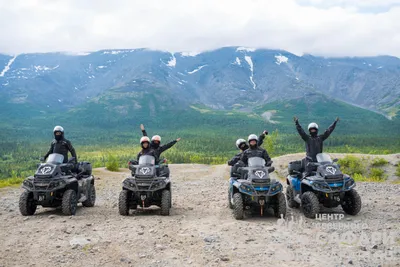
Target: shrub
(112,164)
(377,174)
(377,162)
(15,181)
(352,165)
(398,170)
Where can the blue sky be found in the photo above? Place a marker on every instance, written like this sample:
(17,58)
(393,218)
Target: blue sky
(319,27)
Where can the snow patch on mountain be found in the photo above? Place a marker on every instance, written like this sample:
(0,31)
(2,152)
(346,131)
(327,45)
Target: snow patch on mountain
(189,54)
(44,68)
(237,61)
(172,62)
(196,70)
(281,59)
(113,52)
(246,49)
(250,62)
(8,66)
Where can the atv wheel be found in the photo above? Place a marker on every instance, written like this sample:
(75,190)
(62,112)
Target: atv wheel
(69,202)
(309,204)
(290,198)
(165,202)
(280,207)
(123,202)
(27,205)
(351,202)
(238,211)
(229,200)
(91,198)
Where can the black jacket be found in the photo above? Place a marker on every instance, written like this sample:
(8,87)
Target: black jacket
(255,152)
(147,152)
(62,147)
(236,158)
(314,144)
(161,148)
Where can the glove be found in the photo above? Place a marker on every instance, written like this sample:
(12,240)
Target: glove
(296,120)
(265,132)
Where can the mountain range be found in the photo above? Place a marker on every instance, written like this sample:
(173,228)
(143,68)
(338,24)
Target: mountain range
(227,85)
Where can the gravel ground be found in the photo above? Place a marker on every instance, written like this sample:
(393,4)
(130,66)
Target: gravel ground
(201,230)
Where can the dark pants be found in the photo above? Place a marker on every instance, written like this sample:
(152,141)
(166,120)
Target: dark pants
(308,169)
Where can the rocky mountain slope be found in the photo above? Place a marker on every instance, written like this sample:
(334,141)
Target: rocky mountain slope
(227,78)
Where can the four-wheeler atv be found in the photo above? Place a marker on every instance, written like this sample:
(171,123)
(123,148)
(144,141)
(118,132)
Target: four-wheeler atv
(327,186)
(254,189)
(149,185)
(58,184)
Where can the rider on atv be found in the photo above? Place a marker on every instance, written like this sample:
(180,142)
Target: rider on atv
(155,143)
(60,145)
(242,146)
(255,151)
(314,142)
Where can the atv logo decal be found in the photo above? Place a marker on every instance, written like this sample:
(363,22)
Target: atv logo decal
(45,170)
(331,169)
(145,170)
(260,174)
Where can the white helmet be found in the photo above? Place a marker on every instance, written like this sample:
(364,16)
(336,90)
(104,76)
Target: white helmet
(313,125)
(156,138)
(144,139)
(252,137)
(239,142)
(58,129)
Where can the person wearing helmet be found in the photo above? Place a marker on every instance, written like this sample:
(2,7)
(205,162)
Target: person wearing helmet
(254,151)
(146,149)
(314,142)
(61,145)
(242,146)
(156,143)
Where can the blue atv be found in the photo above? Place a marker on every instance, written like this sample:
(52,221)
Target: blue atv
(327,185)
(254,189)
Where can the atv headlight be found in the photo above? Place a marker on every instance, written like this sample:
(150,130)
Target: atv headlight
(27,183)
(276,187)
(321,186)
(349,183)
(246,188)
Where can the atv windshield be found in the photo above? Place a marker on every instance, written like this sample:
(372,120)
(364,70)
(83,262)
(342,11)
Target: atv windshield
(55,158)
(323,157)
(256,162)
(147,160)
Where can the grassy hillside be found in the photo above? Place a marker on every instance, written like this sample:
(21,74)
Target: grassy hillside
(109,126)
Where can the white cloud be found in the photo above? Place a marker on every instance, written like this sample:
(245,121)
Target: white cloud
(303,26)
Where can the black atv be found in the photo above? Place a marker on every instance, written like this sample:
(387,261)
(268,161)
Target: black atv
(149,185)
(58,184)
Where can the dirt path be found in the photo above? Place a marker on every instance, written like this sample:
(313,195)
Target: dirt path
(201,230)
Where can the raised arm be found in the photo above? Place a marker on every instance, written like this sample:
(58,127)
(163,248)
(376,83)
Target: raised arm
(300,130)
(330,129)
(143,130)
(169,145)
(261,138)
